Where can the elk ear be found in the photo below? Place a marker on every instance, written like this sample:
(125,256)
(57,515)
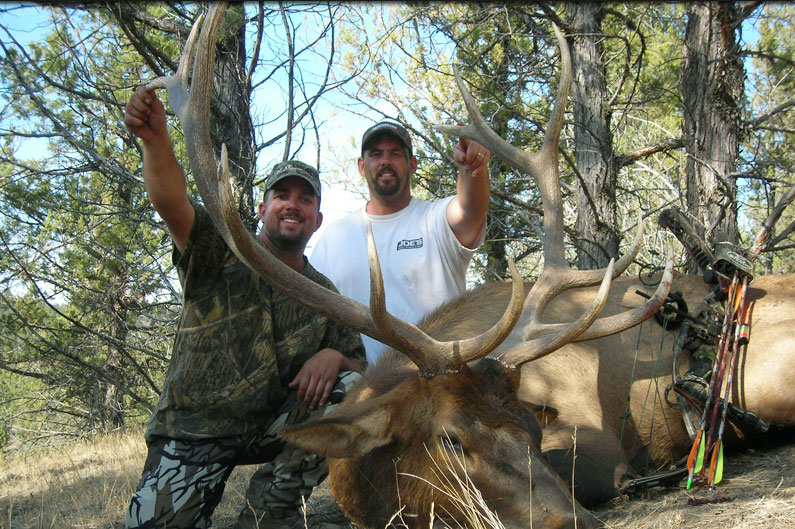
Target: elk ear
(353,432)
(545,414)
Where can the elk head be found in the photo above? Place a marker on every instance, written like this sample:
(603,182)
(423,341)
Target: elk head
(429,398)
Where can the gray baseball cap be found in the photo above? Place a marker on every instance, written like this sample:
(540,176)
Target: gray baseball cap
(387,127)
(294,168)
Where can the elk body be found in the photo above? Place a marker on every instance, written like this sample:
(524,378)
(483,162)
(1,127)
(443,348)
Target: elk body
(586,385)
(470,400)
(395,424)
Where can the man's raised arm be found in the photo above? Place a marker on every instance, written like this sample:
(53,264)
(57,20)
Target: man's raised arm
(164,179)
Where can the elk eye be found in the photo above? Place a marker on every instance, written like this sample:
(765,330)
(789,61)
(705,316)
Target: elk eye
(451,442)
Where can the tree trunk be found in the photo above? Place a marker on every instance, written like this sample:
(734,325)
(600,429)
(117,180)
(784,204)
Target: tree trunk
(712,90)
(593,141)
(112,413)
(232,111)
(497,232)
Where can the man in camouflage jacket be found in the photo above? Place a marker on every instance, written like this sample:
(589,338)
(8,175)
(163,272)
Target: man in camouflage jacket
(246,360)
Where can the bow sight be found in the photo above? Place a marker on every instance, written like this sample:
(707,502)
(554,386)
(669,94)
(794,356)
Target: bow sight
(718,266)
(724,260)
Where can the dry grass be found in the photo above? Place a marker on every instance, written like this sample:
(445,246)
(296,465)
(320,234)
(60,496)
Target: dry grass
(758,491)
(455,485)
(81,485)
(88,485)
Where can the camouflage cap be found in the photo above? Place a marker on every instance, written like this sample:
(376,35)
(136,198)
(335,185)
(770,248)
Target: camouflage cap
(387,127)
(294,168)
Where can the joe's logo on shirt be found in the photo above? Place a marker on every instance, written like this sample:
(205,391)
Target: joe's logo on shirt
(409,244)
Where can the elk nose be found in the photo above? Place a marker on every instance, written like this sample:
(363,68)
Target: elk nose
(580,521)
(584,520)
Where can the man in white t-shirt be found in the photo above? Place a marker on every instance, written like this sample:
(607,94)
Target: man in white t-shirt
(424,247)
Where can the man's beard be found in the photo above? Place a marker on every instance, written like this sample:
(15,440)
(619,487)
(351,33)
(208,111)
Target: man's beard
(389,189)
(295,241)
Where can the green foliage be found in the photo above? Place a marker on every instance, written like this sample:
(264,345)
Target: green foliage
(85,253)
(768,154)
(89,298)
(87,276)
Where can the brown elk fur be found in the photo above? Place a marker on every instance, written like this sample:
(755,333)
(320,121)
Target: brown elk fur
(580,392)
(588,383)
(475,408)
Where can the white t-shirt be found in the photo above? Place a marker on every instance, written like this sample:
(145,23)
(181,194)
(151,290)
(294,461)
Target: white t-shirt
(422,262)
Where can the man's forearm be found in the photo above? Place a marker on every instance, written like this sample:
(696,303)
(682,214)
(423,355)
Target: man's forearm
(350,364)
(473,194)
(163,176)
(168,190)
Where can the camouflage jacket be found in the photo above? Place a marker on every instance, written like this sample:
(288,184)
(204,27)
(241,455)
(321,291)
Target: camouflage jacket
(238,344)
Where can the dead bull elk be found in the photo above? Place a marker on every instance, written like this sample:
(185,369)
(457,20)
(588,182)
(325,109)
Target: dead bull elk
(468,388)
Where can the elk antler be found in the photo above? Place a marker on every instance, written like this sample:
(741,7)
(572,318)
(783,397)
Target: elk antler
(557,277)
(212,179)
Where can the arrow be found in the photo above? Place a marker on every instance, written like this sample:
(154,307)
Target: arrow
(695,460)
(741,336)
(731,313)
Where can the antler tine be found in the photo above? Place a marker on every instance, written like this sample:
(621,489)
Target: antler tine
(481,345)
(606,326)
(585,278)
(177,84)
(383,320)
(591,277)
(431,356)
(588,326)
(215,189)
(567,333)
(556,277)
(480,131)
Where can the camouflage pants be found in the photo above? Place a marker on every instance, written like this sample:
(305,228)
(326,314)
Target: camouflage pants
(183,481)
